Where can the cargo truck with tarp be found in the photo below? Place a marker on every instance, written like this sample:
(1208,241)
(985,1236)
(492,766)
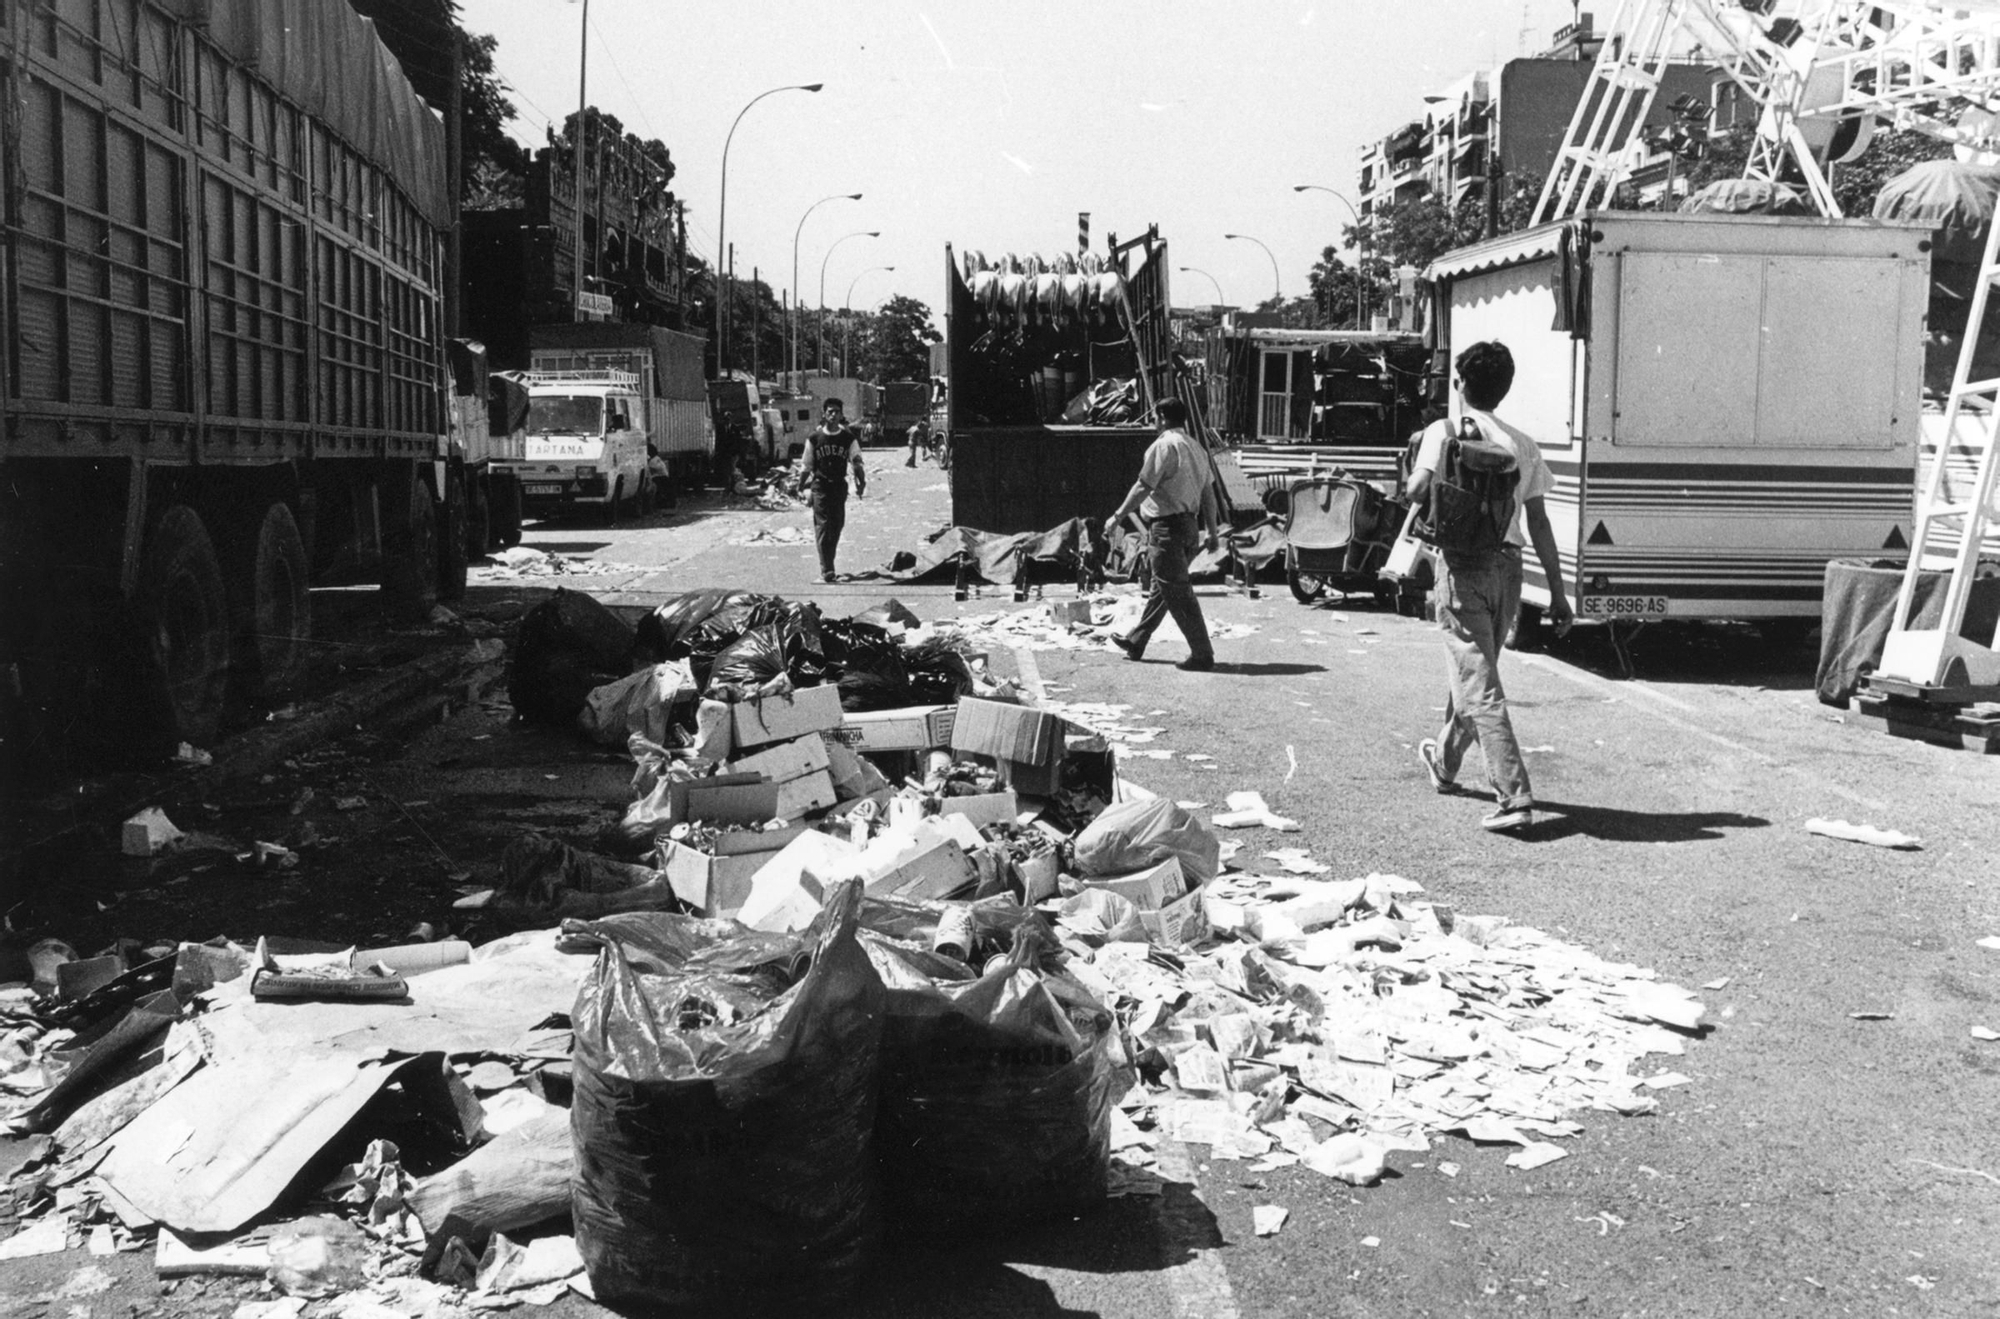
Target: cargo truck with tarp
(1727,402)
(222,373)
(672,385)
(1054,368)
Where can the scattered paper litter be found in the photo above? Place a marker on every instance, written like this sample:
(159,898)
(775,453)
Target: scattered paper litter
(1722,983)
(1249,810)
(50,1236)
(1991,941)
(1984,1033)
(1298,861)
(1666,1080)
(1371,1242)
(1863,833)
(1535,1154)
(1871,1015)
(1265,1220)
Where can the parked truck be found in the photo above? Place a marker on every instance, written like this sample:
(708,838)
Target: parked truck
(222,358)
(1727,402)
(488,432)
(673,391)
(904,403)
(586,444)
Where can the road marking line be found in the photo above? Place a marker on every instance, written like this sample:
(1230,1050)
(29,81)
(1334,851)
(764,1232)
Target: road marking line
(1199,1285)
(1591,680)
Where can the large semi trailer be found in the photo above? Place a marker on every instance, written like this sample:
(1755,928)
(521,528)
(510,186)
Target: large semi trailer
(222,372)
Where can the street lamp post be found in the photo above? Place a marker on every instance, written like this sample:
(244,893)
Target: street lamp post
(838,196)
(847,312)
(722,223)
(820,358)
(1361,250)
(1277,289)
(1197,270)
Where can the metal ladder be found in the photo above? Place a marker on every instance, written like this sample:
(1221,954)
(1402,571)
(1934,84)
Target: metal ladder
(1957,518)
(1605,131)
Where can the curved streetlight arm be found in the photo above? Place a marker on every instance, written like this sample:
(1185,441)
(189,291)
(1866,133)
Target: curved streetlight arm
(1361,248)
(1277,283)
(1197,270)
(848,306)
(849,196)
(859,233)
(722,218)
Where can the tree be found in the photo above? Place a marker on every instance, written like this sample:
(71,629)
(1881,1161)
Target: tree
(1335,285)
(496,166)
(1888,154)
(896,344)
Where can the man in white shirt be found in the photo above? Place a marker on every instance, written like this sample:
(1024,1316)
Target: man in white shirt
(1479,589)
(1173,494)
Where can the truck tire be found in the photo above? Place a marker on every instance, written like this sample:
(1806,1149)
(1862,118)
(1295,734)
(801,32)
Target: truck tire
(183,614)
(451,541)
(409,550)
(280,598)
(505,495)
(478,517)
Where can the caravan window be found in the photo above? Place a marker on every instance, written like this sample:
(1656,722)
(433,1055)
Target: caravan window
(565,414)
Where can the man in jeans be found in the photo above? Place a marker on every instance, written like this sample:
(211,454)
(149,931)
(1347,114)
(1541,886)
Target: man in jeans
(1173,494)
(1479,593)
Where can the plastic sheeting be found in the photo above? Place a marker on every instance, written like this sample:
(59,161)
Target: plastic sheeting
(326,59)
(1745,197)
(1954,196)
(992,556)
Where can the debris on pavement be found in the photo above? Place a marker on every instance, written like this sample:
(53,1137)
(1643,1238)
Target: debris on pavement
(1863,833)
(1265,1220)
(846,858)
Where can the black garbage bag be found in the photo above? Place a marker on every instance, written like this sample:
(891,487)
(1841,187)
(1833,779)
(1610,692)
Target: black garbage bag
(749,664)
(840,636)
(567,647)
(996,1091)
(668,632)
(872,676)
(724,1112)
(797,622)
(938,674)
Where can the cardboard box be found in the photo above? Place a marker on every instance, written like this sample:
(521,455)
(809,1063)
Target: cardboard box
(985,808)
(805,794)
(1180,923)
(724,799)
(782,718)
(938,871)
(1008,732)
(1039,877)
(913,728)
(712,885)
(1151,889)
(763,841)
(784,761)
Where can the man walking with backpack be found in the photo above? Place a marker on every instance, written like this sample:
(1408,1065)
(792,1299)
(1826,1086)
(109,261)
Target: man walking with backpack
(1479,484)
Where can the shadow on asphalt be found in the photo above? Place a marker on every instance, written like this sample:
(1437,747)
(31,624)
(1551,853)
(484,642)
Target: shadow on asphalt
(1727,654)
(1277,670)
(1132,1235)
(1562,820)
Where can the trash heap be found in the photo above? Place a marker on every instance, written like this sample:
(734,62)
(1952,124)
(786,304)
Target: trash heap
(848,968)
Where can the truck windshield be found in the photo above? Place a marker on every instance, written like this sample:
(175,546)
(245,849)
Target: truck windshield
(568,414)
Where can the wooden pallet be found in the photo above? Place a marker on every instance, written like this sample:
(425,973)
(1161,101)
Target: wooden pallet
(1898,712)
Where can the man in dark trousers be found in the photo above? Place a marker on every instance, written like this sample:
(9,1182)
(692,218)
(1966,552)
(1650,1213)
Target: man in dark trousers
(832,448)
(1176,497)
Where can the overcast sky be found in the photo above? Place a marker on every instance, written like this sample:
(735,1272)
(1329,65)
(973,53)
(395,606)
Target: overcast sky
(990,126)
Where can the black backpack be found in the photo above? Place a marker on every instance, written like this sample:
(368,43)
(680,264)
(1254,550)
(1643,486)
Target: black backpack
(1471,504)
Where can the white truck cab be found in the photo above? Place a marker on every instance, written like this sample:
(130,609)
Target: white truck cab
(586,442)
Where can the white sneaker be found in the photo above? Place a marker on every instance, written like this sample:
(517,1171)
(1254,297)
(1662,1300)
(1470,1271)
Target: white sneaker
(1508,818)
(1427,751)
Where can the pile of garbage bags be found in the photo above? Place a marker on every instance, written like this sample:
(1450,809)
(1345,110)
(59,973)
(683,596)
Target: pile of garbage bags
(752,1111)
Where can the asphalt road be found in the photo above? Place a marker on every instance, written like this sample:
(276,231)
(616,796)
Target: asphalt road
(1818,1164)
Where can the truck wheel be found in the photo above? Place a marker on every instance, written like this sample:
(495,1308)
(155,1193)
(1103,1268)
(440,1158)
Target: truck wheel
(280,598)
(478,517)
(506,499)
(183,614)
(409,550)
(451,542)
